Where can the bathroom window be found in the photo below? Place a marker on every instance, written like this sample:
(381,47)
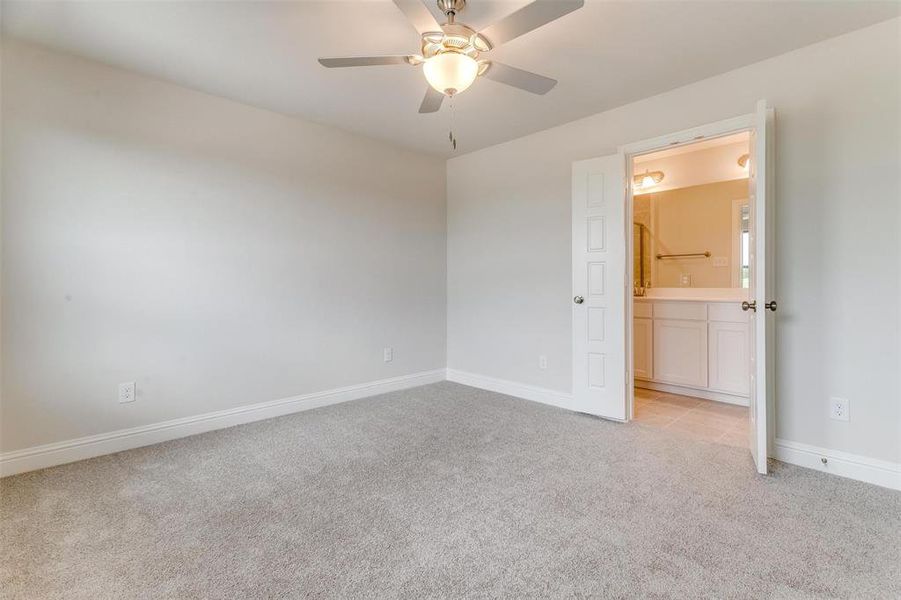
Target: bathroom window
(741,244)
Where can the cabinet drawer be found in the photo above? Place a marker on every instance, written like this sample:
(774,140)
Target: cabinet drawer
(642,310)
(690,311)
(728,312)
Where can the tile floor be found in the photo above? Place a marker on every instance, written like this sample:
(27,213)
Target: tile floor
(693,417)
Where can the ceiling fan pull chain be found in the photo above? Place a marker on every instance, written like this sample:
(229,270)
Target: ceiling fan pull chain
(450,135)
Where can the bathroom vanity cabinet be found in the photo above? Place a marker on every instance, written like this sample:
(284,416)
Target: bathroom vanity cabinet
(695,347)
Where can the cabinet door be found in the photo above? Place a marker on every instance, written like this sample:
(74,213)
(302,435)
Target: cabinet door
(729,360)
(680,352)
(643,340)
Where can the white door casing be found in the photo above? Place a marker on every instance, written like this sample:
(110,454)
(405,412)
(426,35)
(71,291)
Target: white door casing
(599,291)
(762,324)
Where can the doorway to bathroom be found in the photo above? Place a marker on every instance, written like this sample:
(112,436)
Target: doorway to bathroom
(691,272)
(648,343)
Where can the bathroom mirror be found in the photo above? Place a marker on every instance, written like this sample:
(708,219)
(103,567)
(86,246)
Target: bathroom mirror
(695,236)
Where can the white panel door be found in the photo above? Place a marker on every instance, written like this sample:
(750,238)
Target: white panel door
(680,352)
(760,200)
(643,343)
(599,291)
(728,364)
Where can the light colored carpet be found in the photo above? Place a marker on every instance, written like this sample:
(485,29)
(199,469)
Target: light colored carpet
(443,491)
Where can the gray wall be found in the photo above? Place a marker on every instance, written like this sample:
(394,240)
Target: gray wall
(837,193)
(217,254)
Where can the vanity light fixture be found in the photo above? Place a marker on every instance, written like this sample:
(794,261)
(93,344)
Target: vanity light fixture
(743,161)
(648,179)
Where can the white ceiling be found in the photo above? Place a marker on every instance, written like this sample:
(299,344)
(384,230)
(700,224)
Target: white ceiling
(264,54)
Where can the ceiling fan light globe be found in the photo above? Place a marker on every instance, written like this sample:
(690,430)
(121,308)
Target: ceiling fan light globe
(450,72)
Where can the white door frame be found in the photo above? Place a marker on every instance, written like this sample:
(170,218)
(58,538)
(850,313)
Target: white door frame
(630,151)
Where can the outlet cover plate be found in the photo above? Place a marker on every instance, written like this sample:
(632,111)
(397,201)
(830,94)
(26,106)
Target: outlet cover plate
(127,392)
(839,409)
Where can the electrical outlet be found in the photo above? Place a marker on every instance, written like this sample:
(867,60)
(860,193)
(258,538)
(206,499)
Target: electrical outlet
(839,409)
(127,392)
(389,354)
(542,362)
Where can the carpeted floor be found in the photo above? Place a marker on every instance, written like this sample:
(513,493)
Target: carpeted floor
(444,491)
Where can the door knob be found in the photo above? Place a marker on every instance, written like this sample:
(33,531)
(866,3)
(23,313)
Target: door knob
(771,305)
(746,306)
(578,299)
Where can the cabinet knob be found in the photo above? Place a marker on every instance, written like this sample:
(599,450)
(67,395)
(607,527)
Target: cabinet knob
(746,306)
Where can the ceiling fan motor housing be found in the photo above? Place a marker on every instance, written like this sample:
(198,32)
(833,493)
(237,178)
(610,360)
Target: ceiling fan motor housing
(453,37)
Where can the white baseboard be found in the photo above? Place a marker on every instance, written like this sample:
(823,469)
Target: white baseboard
(878,472)
(48,455)
(512,388)
(871,470)
(688,391)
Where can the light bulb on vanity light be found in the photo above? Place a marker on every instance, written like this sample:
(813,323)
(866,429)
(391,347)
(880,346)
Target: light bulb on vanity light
(450,72)
(647,179)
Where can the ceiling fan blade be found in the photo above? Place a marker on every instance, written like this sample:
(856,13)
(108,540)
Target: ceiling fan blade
(432,101)
(524,80)
(366,61)
(528,18)
(420,16)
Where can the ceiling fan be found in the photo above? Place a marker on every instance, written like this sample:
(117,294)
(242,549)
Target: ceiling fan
(452,54)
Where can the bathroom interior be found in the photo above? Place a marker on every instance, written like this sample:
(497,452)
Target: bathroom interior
(692,265)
